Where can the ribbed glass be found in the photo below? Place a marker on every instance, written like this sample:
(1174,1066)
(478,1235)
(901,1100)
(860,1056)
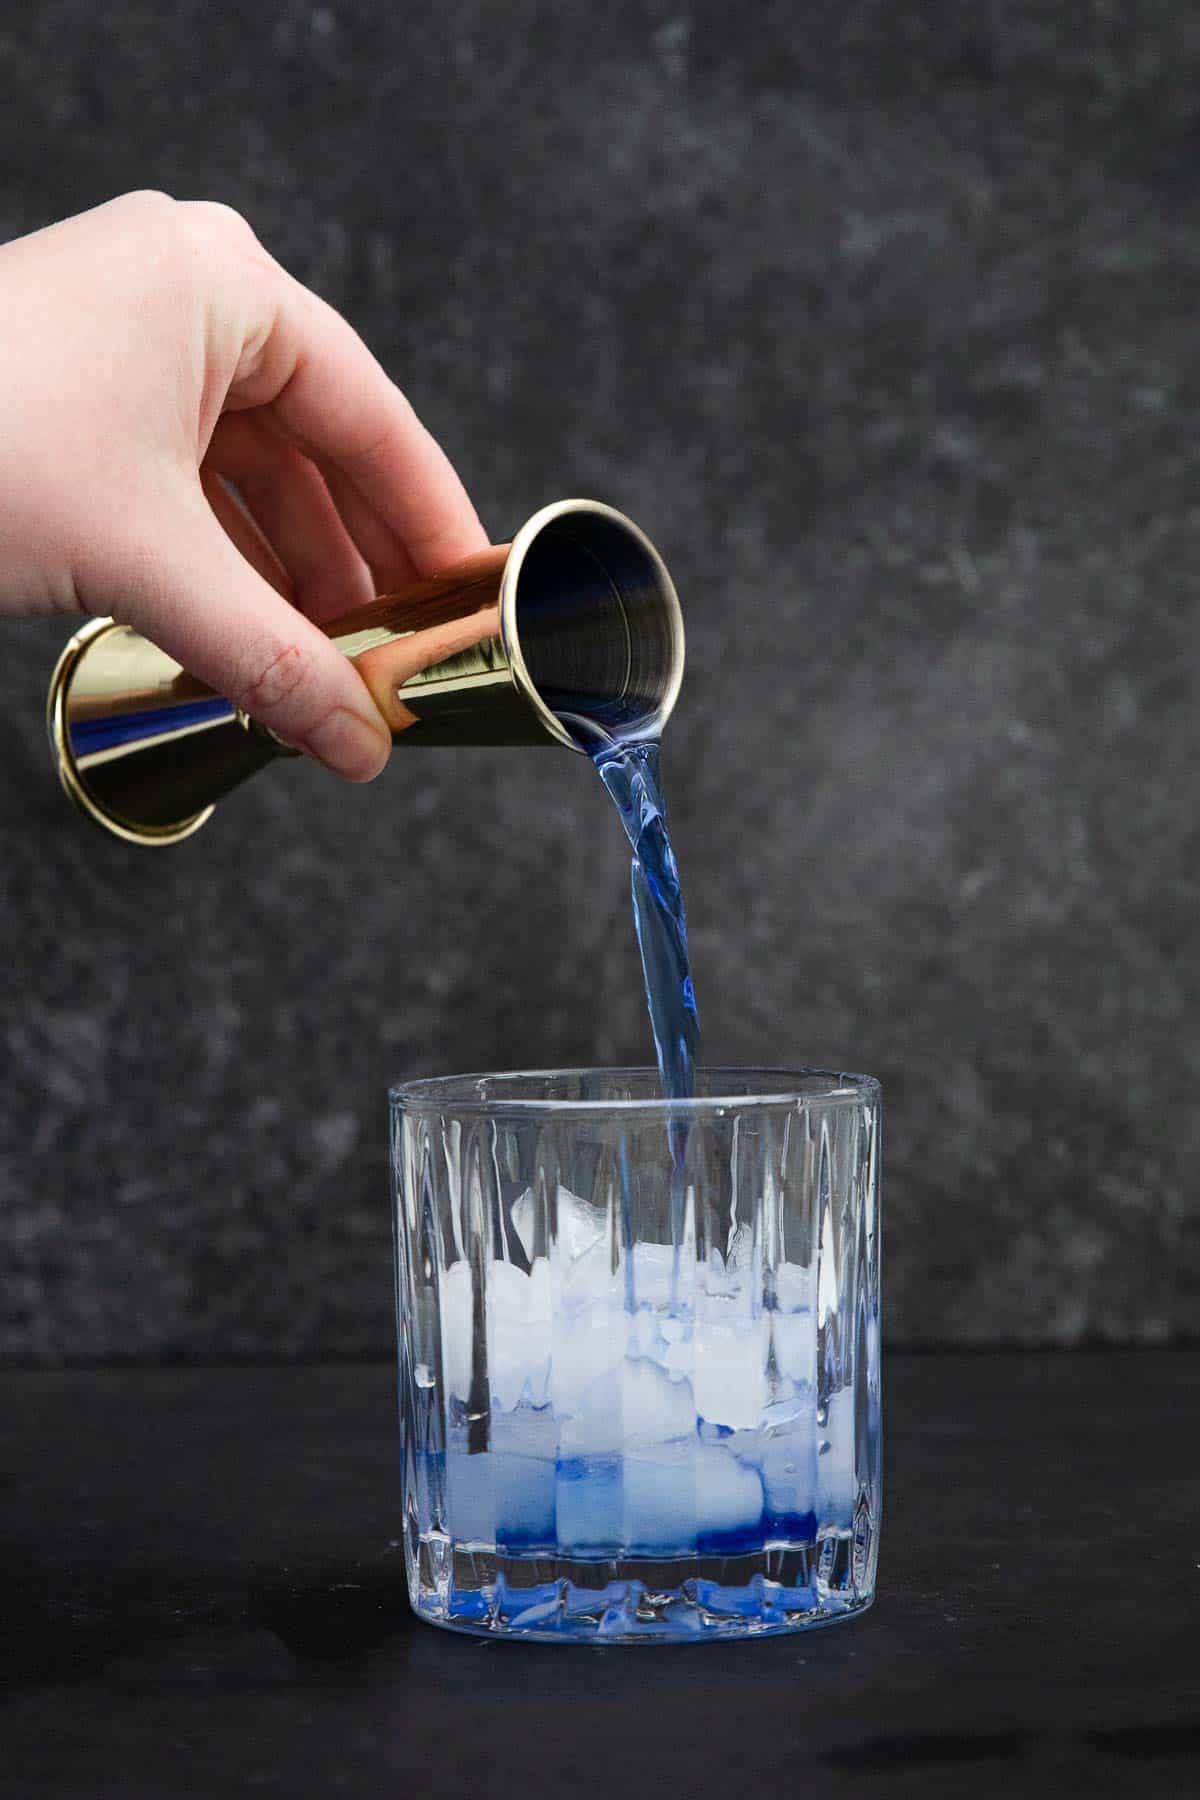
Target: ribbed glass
(639,1351)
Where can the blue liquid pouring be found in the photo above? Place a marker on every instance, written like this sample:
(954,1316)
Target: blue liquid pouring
(631,772)
(632,775)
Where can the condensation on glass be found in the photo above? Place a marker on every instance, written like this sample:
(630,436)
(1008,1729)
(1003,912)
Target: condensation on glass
(639,1352)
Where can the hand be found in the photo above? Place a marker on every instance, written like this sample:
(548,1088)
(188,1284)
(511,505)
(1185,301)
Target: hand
(152,354)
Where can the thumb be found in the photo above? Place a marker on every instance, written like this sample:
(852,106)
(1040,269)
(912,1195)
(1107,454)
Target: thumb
(198,598)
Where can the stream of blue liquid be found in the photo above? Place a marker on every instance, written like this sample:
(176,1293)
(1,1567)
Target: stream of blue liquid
(631,772)
(632,775)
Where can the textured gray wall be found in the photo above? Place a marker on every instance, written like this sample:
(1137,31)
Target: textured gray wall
(882,320)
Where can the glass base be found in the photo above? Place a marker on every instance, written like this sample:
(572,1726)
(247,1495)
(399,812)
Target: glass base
(559,1599)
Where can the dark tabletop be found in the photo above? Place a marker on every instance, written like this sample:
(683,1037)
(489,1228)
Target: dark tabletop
(203,1594)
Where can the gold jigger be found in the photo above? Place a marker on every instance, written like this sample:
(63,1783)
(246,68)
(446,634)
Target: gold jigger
(573,626)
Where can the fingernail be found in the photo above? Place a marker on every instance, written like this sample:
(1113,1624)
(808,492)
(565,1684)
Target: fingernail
(349,745)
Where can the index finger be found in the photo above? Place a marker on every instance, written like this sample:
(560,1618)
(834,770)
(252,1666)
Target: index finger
(331,398)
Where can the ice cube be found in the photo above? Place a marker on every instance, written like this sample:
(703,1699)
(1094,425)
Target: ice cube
(795,1338)
(730,1364)
(837,1486)
(588,1504)
(455,1306)
(793,1287)
(522,1455)
(520,1311)
(587,1343)
(728,1495)
(495,1498)
(788,1459)
(523,1215)
(642,1337)
(794,1325)
(505,1494)
(632,1405)
(683,1492)
(579,1223)
(654,1276)
(470,1509)
(659,1501)
(589,1279)
(526,1431)
(718,1277)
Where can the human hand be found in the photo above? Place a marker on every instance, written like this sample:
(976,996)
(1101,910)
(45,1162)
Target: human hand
(151,354)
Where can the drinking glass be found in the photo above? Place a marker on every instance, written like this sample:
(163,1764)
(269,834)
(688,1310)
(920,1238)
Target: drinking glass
(639,1351)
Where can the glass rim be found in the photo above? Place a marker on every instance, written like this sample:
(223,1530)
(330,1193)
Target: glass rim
(452,1093)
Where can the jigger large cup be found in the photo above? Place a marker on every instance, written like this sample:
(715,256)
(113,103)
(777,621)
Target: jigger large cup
(576,620)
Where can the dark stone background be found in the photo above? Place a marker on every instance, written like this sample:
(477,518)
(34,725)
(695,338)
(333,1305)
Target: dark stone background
(882,320)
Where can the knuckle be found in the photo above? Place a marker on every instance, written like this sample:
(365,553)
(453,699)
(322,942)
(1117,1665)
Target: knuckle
(217,235)
(214,220)
(149,204)
(368,454)
(427,543)
(149,216)
(282,674)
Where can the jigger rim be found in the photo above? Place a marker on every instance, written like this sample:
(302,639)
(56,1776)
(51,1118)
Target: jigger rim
(70,780)
(510,635)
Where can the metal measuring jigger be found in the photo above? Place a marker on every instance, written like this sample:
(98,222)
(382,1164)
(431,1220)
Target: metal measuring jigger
(573,626)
